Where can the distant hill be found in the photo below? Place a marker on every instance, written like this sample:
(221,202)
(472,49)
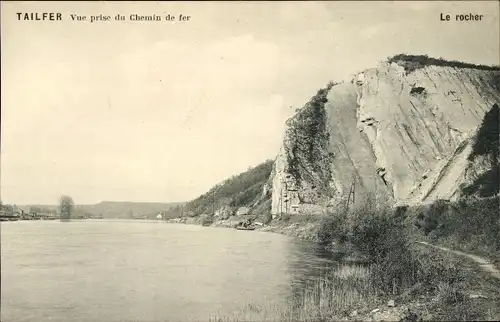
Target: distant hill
(119,209)
(115,209)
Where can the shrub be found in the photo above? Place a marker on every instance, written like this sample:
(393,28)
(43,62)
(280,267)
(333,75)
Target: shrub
(449,294)
(332,227)
(430,218)
(381,235)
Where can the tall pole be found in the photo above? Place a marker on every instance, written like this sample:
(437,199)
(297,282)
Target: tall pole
(351,191)
(349,197)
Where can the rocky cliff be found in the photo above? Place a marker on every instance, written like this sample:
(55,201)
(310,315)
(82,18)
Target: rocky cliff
(403,132)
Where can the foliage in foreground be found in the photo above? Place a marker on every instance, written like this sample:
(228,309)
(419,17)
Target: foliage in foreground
(399,267)
(321,299)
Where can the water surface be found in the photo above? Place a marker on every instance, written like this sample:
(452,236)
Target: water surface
(98,270)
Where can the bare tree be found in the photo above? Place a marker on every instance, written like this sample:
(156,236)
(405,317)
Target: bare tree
(66,205)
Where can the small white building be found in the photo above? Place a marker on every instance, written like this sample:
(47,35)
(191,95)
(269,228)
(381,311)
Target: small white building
(159,217)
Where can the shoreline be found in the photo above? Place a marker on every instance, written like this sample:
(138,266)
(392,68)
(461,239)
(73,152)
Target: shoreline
(402,307)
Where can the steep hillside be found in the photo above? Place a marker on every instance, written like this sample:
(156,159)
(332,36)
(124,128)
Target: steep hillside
(248,189)
(404,131)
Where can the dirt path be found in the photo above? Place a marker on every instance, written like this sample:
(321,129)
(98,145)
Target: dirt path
(483,262)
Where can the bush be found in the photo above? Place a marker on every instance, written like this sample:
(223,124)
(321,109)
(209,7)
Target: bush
(381,235)
(429,218)
(331,228)
(372,231)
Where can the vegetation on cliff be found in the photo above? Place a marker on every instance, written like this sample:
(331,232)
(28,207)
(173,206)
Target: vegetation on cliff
(486,146)
(308,140)
(414,62)
(241,190)
(487,140)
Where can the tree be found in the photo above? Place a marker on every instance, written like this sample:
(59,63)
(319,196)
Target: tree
(9,209)
(66,207)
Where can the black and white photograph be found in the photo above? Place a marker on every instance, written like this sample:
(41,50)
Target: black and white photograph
(240,161)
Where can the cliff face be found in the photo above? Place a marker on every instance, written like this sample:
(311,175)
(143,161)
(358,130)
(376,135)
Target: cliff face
(402,132)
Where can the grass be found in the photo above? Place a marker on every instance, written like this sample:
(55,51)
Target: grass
(322,299)
(334,295)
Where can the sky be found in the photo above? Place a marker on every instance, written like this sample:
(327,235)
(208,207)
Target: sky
(162,111)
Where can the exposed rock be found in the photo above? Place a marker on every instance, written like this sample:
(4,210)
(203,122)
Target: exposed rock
(404,135)
(242,211)
(224,212)
(477,296)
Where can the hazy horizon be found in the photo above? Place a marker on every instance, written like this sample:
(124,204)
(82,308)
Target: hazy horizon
(56,204)
(161,112)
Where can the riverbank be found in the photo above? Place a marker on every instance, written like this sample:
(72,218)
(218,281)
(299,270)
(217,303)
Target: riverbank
(451,288)
(300,226)
(407,281)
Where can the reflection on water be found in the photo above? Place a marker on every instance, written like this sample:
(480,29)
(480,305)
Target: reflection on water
(147,271)
(308,263)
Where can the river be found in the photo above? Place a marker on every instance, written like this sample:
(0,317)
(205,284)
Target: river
(145,271)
